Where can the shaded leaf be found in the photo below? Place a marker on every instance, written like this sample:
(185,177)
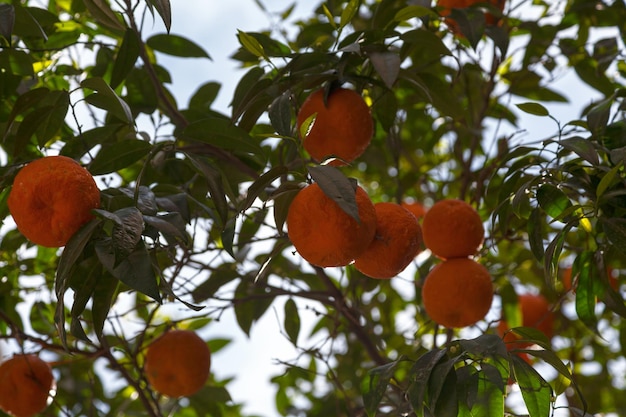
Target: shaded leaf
(292,321)
(107,99)
(102,12)
(125,59)
(176,46)
(165,11)
(583,148)
(379,379)
(337,187)
(533,108)
(387,65)
(119,155)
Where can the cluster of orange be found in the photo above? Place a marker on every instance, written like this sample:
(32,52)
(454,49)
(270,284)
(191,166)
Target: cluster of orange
(176,364)
(457,292)
(386,237)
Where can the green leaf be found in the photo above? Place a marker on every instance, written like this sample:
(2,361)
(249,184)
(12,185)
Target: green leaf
(615,230)
(442,398)
(583,148)
(387,65)
(410,12)
(261,184)
(137,272)
(119,155)
(419,376)
(378,382)
(337,187)
(222,133)
(102,12)
(607,180)
(126,233)
(535,233)
(176,46)
(107,99)
(204,96)
(103,298)
(348,13)
(280,114)
(536,392)
(125,59)
(7,20)
(16,62)
(490,395)
(171,225)
(535,109)
(165,11)
(220,276)
(251,302)
(292,321)
(215,185)
(251,44)
(552,200)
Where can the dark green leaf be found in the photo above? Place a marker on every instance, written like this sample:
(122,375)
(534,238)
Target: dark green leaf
(250,304)
(419,376)
(107,99)
(280,114)
(292,321)
(337,187)
(222,133)
(535,233)
(102,12)
(176,46)
(387,65)
(103,298)
(615,230)
(119,155)
(16,62)
(137,272)
(215,185)
(379,378)
(7,20)
(583,148)
(165,11)
(127,234)
(125,59)
(533,108)
(204,96)
(261,184)
(171,225)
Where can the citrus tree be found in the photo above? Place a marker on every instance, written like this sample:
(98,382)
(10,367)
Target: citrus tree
(195,216)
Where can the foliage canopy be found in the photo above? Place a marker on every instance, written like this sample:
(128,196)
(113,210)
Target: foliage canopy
(194,201)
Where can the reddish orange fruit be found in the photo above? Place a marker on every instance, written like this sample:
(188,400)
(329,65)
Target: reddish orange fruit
(452,229)
(342,126)
(25,384)
(457,293)
(323,233)
(417,209)
(447,5)
(178,363)
(51,199)
(536,312)
(395,244)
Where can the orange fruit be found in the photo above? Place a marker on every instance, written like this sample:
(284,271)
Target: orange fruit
(447,5)
(396,242)
(323,233)
(457,292)
(417,209)
(25,384)
(536,312)
(177,363)
(51,198)
(452,229)
(342,128)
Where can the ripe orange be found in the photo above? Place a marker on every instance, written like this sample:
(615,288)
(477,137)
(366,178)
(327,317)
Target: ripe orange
(323,233)
(396,242)
(457,292)
(51,198)
(25,384)
(536,312)
(452,229)
(343,125)
(447,5)
(178,363)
